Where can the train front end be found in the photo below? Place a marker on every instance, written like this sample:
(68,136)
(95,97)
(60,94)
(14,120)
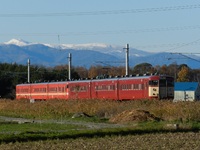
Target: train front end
(161,87)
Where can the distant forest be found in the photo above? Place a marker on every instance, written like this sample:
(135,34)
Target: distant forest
(13,74)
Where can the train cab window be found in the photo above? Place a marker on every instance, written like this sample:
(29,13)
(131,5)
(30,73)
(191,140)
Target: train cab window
(153,82)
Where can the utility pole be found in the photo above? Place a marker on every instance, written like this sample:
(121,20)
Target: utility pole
(127,59)
(28,71)
(69,65)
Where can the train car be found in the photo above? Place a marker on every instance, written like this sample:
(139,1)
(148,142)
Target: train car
(128,88)
(146,87)
(42,91)
(134,88)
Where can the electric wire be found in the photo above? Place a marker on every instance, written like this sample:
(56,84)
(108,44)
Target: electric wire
(188,57)
(108,12)
(163,29)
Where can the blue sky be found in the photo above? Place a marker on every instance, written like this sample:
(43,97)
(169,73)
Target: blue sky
(150,25)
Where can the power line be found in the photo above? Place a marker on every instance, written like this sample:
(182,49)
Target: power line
(174,45)
(109,12)
(184,45)
(188,57)
(164,29)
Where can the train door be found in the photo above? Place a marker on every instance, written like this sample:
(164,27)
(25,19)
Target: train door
(145,88)
(117,90)
(162,88)
(166,86)
(67,91)
(90,89)
(29,91)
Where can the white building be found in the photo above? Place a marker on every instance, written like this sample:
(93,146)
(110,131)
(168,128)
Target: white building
(186,91)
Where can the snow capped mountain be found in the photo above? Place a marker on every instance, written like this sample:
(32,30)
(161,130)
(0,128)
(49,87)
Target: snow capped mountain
(18,42)
(99,47)
(18,51)
(88,46)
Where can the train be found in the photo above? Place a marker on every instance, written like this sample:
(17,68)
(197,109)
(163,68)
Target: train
(117,88)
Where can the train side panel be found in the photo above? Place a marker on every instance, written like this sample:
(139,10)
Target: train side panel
(23,91)
(133,88)
(39,91)
(58,90)
(42,91)
(79,89)
(105,89)
(32,91)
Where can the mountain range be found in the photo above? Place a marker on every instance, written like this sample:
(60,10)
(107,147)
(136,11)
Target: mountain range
(86,55)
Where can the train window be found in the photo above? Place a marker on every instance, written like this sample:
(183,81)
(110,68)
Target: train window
(126,86)
(24,90)
(60,89)
(162,83)
(140,87)
(123,87)
(105,87)
(44,89)
(112,87)
(36,90)
(153,82)
(170,83)
(136,86)
(83,88)
(143,86)
(39,90)
(53,89)
(129,86)
(78,88)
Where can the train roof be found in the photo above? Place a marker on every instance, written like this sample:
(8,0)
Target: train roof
(98,79)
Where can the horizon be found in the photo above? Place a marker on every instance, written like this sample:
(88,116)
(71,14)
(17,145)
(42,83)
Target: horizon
(152,26)
(87,55)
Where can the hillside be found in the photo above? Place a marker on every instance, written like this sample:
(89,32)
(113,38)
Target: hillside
(19,51)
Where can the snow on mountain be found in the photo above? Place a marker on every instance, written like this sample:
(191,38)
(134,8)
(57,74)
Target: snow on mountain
(118,51)
(100,47)
(83,54)
(18,42)
(89,46)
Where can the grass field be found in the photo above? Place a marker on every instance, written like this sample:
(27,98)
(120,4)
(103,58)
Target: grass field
(49,125)
(153,141)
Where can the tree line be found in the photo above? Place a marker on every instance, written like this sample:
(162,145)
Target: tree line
(13,74)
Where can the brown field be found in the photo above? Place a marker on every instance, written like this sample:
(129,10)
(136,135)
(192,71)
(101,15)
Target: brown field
(165,110)
(165,141)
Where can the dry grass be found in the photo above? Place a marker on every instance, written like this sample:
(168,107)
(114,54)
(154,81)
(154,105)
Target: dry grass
(183,141)
(167,110)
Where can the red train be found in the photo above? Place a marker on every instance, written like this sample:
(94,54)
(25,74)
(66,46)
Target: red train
(127,88)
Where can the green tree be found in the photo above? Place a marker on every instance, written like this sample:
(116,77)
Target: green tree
(143,68)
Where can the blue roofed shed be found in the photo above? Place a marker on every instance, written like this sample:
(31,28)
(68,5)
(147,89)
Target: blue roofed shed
(186,91)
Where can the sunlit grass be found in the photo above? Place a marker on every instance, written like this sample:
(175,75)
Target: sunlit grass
(99,109)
